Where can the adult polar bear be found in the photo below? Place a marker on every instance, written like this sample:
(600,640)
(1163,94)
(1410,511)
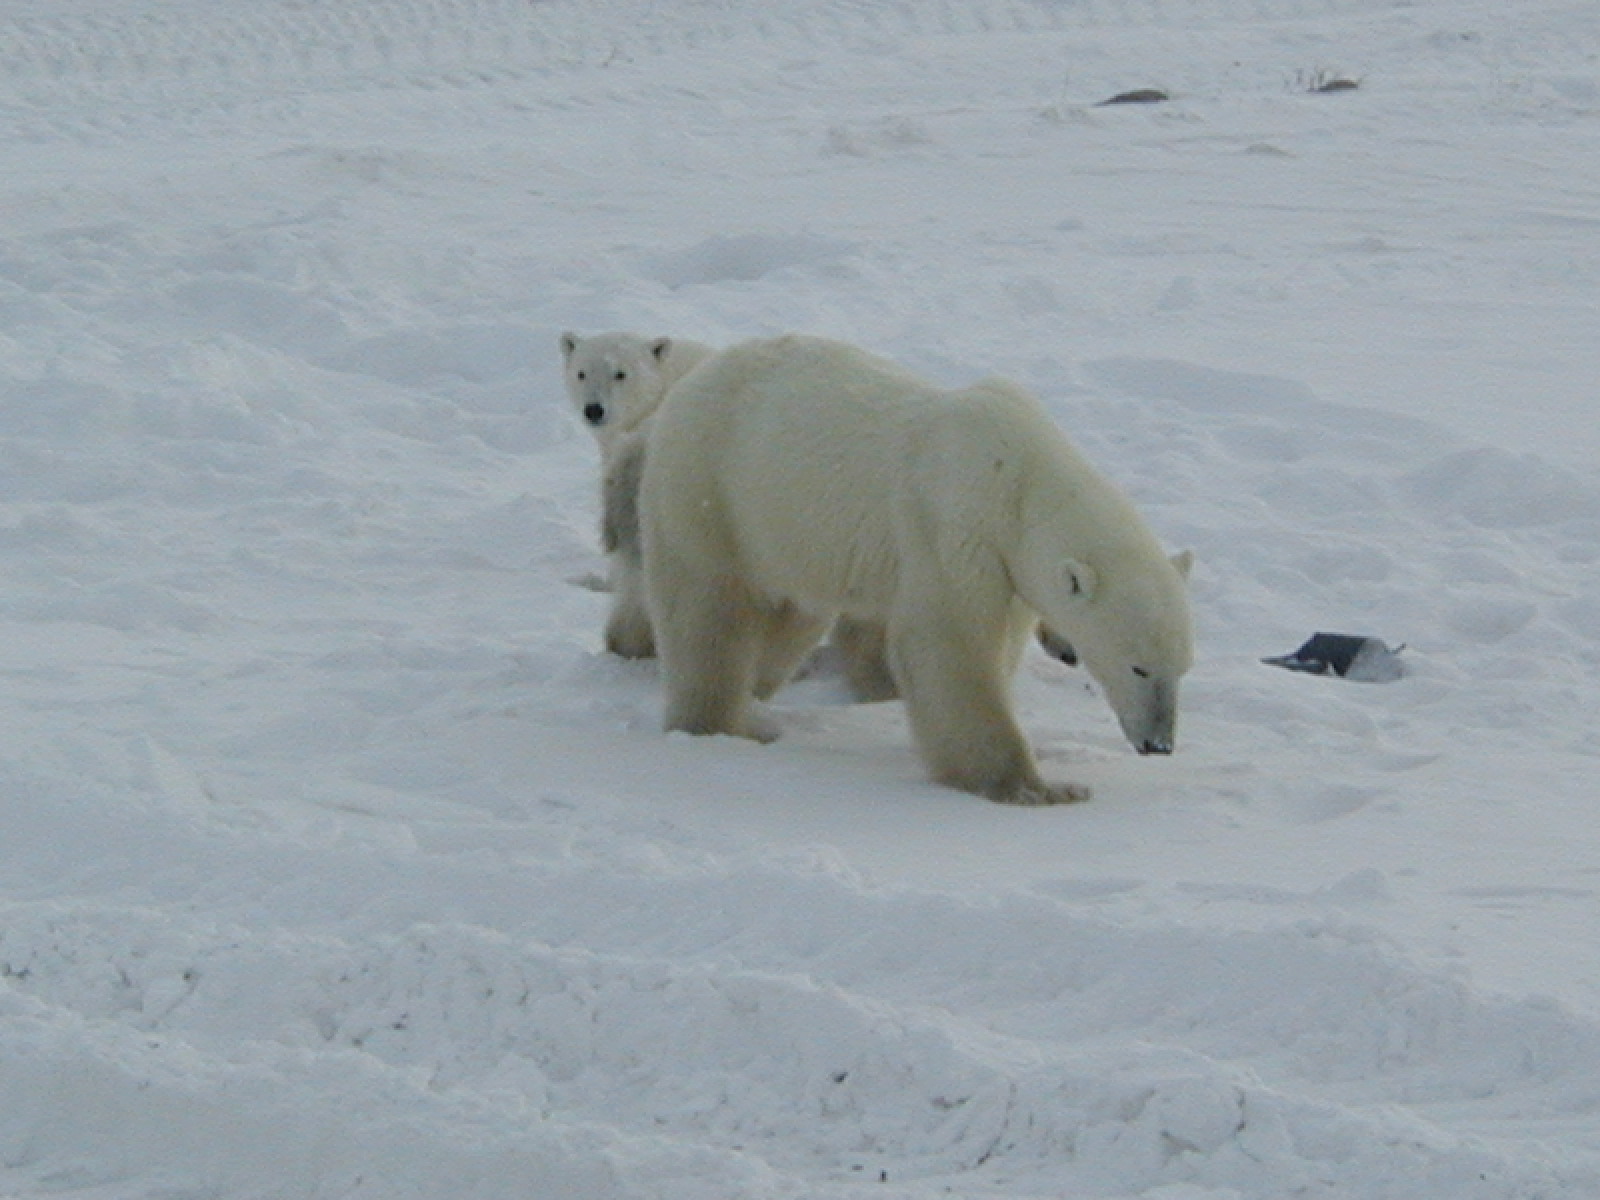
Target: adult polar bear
(615,382)
(795,479)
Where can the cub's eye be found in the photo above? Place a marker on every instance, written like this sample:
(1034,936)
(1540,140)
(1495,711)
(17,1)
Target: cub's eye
(1141,672)
(582,375)
(621,375)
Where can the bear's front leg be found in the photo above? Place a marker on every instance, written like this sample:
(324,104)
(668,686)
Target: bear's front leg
(953,677)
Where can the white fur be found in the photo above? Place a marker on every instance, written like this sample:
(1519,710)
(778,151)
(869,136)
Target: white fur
(616,382)
(794,480)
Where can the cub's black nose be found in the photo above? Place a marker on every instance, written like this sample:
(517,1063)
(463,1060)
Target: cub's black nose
(594,413)
(1155,747)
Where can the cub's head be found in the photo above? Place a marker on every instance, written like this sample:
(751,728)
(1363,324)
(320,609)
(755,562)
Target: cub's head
(614,380)
(1130,626)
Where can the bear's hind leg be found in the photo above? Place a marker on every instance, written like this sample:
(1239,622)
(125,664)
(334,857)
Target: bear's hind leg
(957,696)
(863,645)
(788,635)
(708,634)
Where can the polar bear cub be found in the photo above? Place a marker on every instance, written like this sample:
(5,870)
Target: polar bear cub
(794,480)
(615,382)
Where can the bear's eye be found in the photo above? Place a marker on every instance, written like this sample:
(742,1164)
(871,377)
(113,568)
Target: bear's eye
(582,375)
(621,375)
(1141,672)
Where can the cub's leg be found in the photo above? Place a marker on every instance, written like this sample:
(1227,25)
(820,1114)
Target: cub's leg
(628,631)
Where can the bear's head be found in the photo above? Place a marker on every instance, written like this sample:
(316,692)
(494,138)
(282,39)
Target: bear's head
(614,380)
(1129,624)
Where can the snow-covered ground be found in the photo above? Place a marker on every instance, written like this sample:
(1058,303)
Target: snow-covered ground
(337,860)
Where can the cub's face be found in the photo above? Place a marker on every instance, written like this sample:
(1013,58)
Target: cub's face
(613,380)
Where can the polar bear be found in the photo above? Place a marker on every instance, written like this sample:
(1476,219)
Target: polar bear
(615,382)
(794,480)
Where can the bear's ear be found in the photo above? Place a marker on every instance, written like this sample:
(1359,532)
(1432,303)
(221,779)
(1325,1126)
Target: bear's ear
(660,347)
(1184,561)
(569,343)
(1079,578)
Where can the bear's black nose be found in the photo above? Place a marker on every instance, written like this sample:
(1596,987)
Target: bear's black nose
(1156,746)
(594,413)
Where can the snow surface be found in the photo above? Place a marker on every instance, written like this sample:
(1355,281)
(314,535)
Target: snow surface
(338,861)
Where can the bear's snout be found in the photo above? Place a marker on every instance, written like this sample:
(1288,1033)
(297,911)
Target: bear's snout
(594,413)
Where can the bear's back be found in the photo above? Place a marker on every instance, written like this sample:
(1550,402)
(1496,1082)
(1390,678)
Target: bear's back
(798,445)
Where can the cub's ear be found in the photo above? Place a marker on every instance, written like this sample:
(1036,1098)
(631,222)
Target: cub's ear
(660,347)
(569,343)
(1184,561)
(1079,578)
